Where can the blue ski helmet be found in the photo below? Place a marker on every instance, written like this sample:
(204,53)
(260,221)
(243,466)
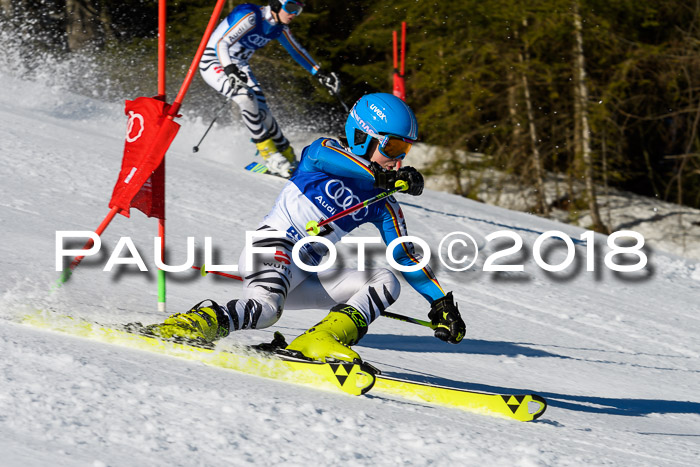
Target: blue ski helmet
(375,115)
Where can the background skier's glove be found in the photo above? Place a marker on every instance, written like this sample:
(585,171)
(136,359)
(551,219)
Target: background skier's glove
(236,77)
(445,315)
(386,179)
(329,80)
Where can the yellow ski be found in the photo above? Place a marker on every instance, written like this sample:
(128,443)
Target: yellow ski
(352,378)
(525,407)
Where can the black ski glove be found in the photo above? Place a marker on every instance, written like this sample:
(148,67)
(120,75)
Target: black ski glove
(445,315)
(329,80)
(386,179)
(413,178)
(236,77)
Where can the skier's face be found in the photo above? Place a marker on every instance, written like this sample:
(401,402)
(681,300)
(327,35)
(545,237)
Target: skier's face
(385,162)
(284,17)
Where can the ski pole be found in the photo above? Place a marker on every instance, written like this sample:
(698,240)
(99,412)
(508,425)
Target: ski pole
(314,227)
(408,319)
(345,106)
(251,96)
(218,112)
(204,272)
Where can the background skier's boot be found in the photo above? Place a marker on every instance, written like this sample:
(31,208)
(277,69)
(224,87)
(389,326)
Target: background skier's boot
(344,326)
(206,323)
(275,162)
(266,148)
(288,152)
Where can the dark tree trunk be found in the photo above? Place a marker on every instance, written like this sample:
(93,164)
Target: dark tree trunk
(84,24)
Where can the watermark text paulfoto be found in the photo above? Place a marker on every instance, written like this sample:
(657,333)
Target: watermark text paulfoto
(457,251)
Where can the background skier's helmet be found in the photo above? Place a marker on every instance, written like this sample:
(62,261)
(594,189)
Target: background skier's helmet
(381,116)
(293,7)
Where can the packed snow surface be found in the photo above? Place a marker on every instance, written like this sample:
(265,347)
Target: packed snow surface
(616,354)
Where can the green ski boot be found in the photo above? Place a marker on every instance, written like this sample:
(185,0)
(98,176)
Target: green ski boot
(201,323)
(332,337)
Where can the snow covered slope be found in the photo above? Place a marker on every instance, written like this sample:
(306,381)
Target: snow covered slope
(615,354)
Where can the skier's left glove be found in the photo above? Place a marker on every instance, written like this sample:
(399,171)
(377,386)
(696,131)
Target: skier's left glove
(386,179)
(236,77)
(329,80)
(445,315)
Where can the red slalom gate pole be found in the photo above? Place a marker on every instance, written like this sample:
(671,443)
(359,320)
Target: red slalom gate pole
(396,51)
(162,31)
(399,83)
(76,261)
(403,46)
(162,23)
(197,58)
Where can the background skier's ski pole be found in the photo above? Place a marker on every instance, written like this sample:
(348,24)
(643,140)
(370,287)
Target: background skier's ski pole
(314,227)
(345,106)
(218,112)
(251,96)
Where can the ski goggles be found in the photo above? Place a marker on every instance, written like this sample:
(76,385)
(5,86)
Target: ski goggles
(393,147)
(292,7)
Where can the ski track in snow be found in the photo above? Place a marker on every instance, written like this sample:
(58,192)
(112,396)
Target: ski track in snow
(616,356)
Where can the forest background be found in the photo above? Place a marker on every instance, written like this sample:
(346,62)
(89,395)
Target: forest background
(596,93)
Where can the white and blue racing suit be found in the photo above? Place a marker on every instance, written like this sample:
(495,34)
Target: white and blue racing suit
(329,179)
(246,29)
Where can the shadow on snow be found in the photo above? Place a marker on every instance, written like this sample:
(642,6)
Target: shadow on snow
(588,404)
